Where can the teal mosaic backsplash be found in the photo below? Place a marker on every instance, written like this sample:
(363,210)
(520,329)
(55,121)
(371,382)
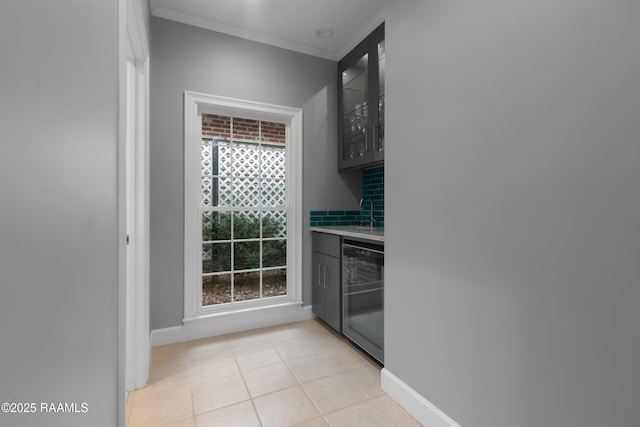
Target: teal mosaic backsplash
(372,189)
(329,218)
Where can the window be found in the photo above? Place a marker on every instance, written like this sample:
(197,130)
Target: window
(244,209)
(242,213)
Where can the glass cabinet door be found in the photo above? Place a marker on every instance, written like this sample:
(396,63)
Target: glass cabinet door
(355,117)
(361,104)
(379,126)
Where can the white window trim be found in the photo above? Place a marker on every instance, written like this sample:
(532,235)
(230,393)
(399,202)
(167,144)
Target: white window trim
(195,104)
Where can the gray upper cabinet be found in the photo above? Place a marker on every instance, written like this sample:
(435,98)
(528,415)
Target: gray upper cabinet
(361,104)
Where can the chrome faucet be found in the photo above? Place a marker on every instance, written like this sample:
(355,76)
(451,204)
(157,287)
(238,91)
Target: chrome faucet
(371,219)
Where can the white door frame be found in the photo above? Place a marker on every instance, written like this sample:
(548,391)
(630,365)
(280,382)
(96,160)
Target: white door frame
(134,300)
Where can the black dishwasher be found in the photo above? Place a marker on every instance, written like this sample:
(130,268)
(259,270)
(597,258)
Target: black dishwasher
(363,296)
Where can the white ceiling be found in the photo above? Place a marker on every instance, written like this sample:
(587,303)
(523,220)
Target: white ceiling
(290,24)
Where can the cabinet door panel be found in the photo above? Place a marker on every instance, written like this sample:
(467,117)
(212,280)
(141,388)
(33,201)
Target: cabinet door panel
(356,123)
(317,289)
(332,290)
(378,134)
(361,104)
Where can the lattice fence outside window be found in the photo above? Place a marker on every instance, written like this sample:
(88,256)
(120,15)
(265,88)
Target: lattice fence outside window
(244,209)
(258,178)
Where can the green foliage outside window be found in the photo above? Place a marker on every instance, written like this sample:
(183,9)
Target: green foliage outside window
(217,226)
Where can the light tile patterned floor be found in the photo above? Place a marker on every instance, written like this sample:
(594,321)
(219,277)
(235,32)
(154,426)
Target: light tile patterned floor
(300,374)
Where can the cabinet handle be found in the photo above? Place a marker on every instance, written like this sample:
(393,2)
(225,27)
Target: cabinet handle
(375,144)
(324,276)
(366,139)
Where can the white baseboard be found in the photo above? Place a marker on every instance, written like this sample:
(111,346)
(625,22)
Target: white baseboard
(227,323)
(420,408)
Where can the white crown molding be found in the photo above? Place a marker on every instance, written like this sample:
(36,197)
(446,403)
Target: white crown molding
(242,33)
(365,30)
(375,19)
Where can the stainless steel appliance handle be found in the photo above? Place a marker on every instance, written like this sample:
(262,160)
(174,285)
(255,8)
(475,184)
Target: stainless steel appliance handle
(344,245)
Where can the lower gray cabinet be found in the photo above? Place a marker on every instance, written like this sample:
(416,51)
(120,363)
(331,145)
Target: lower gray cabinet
(326,292)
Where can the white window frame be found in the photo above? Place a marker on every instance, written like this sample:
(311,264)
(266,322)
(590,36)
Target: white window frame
(196,104)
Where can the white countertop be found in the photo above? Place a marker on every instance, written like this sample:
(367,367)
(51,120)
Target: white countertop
(356,231)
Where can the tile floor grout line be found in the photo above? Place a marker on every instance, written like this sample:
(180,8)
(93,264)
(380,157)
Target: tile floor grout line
(356,385)
(380,409)
(313,401)
(253,405)
(193,409)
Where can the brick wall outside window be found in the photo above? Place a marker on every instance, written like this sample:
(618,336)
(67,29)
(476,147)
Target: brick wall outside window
(215,126)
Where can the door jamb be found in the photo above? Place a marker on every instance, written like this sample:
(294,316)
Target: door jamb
(132,30)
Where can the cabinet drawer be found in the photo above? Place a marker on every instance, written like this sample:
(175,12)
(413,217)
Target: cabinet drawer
(328,244)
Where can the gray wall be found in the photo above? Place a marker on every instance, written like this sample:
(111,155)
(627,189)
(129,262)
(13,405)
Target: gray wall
(189,58)
(513,209)
(58,220)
